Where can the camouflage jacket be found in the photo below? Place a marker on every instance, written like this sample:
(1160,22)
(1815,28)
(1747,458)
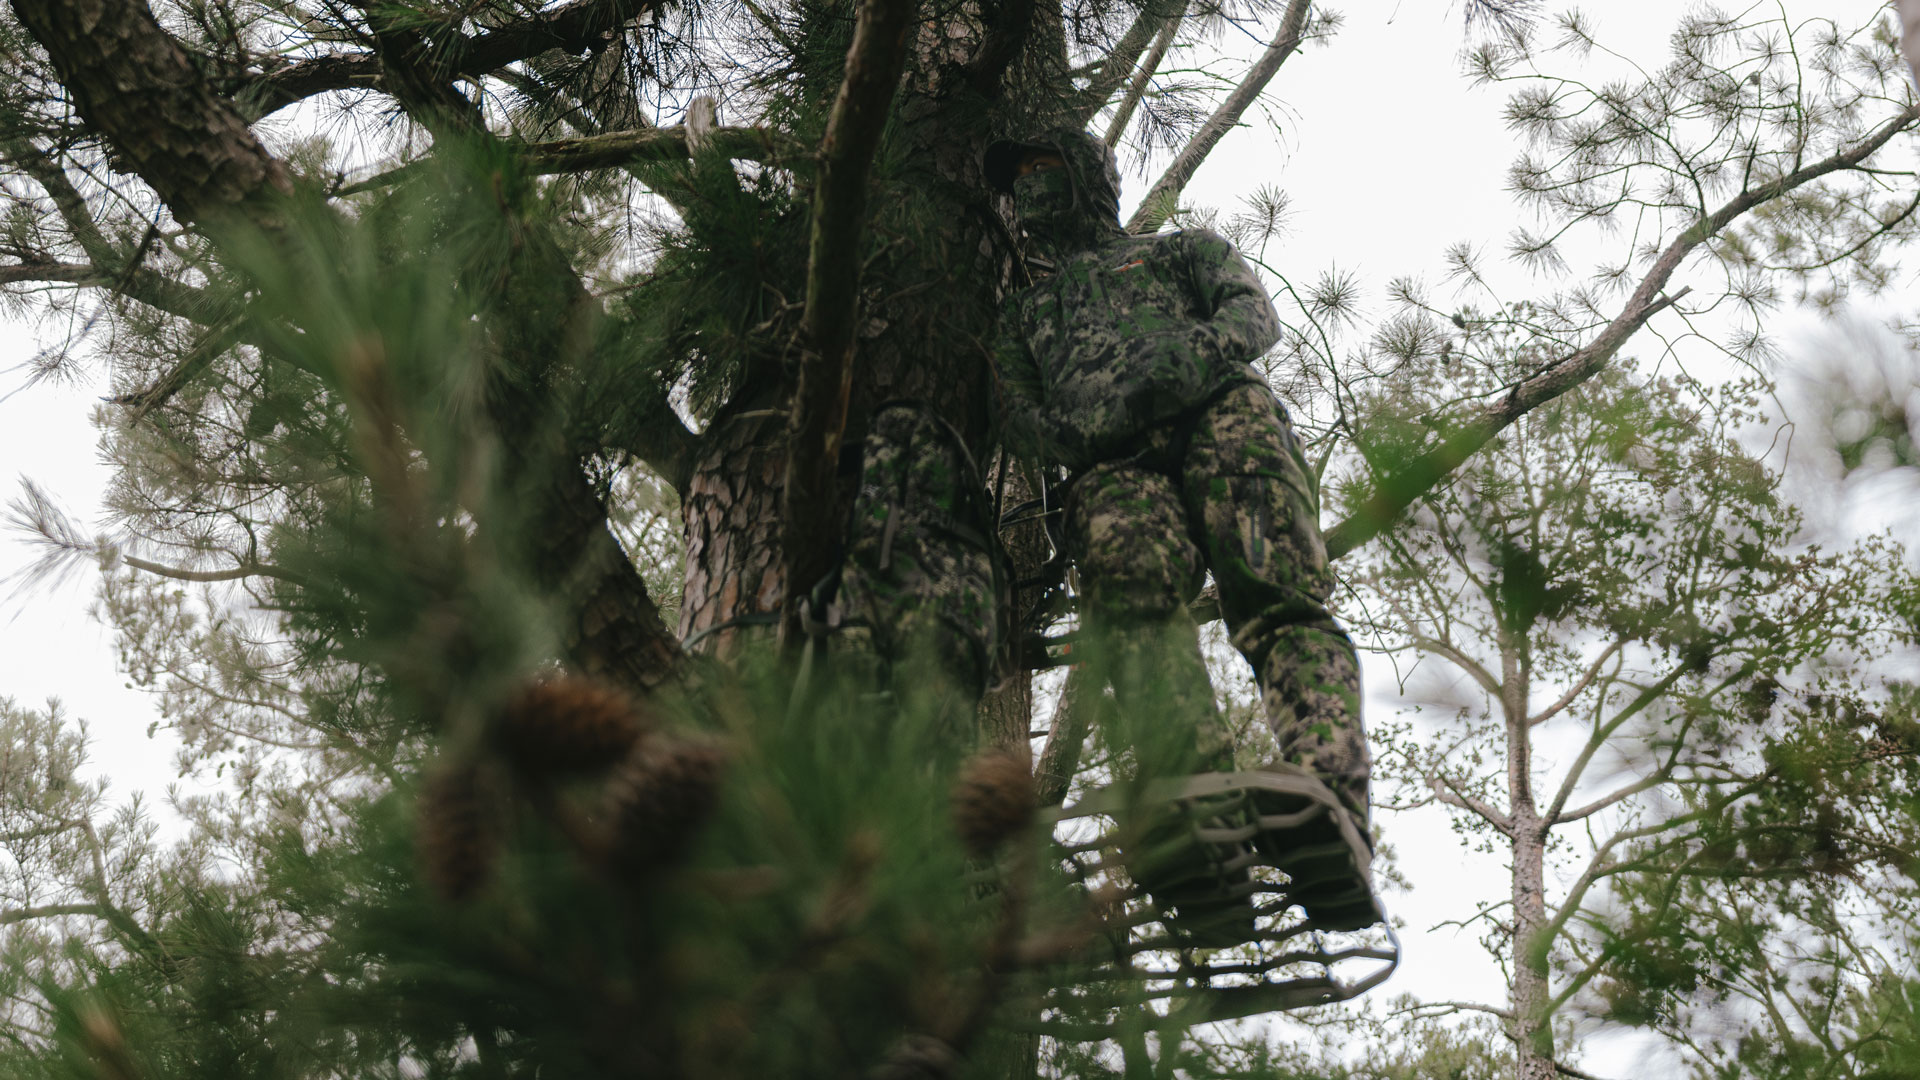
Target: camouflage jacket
(1128,332)
(1126,335)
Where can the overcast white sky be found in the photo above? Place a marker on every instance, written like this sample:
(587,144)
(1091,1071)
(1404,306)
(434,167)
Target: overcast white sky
(1389,157)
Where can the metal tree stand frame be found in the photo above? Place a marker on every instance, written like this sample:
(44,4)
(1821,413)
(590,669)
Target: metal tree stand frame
(1150,968)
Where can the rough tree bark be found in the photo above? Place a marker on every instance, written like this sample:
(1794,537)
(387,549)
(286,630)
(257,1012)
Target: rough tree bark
(153,104)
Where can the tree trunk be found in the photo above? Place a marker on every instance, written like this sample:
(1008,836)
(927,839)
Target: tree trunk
(1532,1030)
(926,316)
(731,517)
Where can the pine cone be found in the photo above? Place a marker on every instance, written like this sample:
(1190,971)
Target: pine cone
(568,724)
(992,800)
(917,1057)
(661,795)
(458,834)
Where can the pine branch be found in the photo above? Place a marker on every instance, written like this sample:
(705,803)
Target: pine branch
(24,835)
(70,273)
(67,200)
(135,85)
(1394,494)
(617,148)
(48,911)
(46,525)
(1137,89)
(574,29)
(1156,24)
(819,417)
(238,573)
(198,359)
(110,267)
(1165,193)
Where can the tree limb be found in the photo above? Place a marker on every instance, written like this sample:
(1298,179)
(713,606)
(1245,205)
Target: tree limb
(138,88)
(819,417)
(617,148)
(110,265)
(1578,688)
(1602,733)
(1060,758)
(67,200)
(24,835)
(48,911)
(1157,22)
(1624,792)
(198,358)
(1446,792)
(72,273)
(1138,87)
(1394,494)
(1461,660)
(237,573)
(135,85)
(1165,192)
(668,447)
(1454,1006)
(573,28)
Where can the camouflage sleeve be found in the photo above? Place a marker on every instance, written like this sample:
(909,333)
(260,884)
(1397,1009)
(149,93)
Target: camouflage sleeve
(1241,319)
(1018,392)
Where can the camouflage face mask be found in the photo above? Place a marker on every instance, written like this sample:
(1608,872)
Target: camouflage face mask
(1043,198)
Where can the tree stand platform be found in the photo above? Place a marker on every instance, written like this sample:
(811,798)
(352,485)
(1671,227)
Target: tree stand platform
(1227,895)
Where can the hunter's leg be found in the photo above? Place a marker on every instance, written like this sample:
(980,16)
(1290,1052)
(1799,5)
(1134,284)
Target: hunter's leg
(1137,568)
(1248,489)
(918,582)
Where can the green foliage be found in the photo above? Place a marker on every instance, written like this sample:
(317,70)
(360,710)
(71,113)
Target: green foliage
(1630,613)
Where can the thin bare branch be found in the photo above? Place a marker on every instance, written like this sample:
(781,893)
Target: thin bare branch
(1447,792)
(1614,797)
(1599,736)
(1395,493)
(1451,1007)
(1580,687)
(1461,660)
(1166,190)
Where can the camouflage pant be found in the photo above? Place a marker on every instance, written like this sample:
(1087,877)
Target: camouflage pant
(1228,492)
(918,586)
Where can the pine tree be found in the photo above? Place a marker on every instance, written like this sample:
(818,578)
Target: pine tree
(407,394)
(1661,704)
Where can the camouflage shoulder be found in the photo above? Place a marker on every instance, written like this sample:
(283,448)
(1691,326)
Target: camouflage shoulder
(1204,241)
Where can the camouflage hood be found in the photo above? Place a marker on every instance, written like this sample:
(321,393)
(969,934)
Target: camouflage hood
(1093,172)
